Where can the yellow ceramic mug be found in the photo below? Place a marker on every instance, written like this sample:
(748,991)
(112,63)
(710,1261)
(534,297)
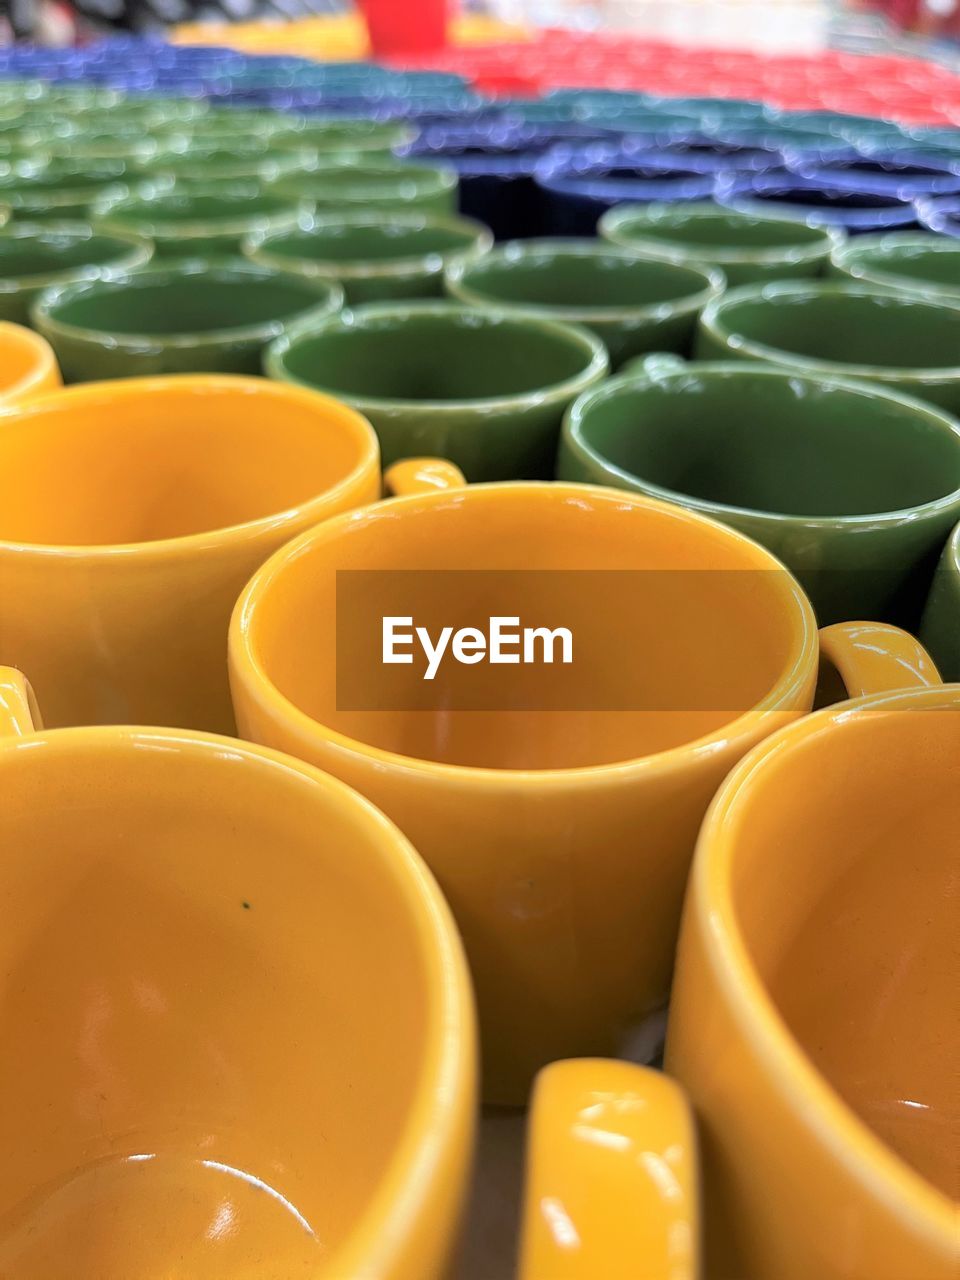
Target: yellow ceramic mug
(131,515)
(27,364)
(814,1013)
(237,1027)
(562,838)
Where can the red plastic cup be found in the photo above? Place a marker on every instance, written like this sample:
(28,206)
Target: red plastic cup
(405,26)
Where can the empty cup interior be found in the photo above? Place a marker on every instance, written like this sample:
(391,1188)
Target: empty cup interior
(50,252)
(357,244)
(715,229)
(843,881)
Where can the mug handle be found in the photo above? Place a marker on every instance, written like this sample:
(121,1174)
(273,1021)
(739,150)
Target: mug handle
(612,1176)
(656,364)
(874,657)
(422,475)
(19,714)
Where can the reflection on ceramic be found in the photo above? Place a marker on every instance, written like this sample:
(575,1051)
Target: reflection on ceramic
(530,816)
(812,1019)
(853,487)
(167,978)
(334,182)
(898,340)
(631,302)
(940,628)
(28,365)
(187,317)
(484,389)
(612,1176)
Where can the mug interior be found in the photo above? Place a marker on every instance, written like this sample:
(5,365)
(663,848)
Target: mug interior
(774,443)
(191,303)
(843,882)
(358,245)
(52,252)
(867,329)
(168,212)
(606,281)
(815,198)
(435,357)
(718,230)
(934,264)
(202,989)
(115,466)
(667,656)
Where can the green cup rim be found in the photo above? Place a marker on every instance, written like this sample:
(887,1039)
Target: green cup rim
(711,322)
(103,212)
(572,435)
(846,256)
(430,179)
(139,252)
(389,133)
(256,246)
(330,298)
(597,361)
(457,282)
(612,224)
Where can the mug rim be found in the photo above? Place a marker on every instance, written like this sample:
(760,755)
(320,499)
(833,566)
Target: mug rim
(215,384)
(712,322)
(274,359)
(44,363)
(904,1191)
(42,317)
(712,282)
(139,252)
(445,1086)
(247,668)
(103,213)
(572,433)
(256,246)
(612,223)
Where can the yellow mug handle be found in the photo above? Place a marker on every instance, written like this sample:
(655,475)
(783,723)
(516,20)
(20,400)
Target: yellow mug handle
(612,1180)
(422,475)
(873,657)
(19,714)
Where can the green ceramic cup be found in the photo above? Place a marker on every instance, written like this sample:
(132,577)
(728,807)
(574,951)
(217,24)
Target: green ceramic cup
(202,161)
(745,247)
(195,222)
(900,341)
(336,183)
(484,390)
(62,190)
(940,628)
(902,260)
(37,256)
(633,303)
(376,257)
(370,138)
(852,487)
(191,317)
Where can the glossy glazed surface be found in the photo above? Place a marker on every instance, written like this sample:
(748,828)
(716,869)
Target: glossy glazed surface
(853,488)
(611,1176)
(204,221)
(633,304)
(902,260)
(131,515)
(384,183)
(530,816)
(812,1018)
(61,189)
(940,628)
(909,343)
(28,365)
(374,257)
(345,135)
(34,257)
(486,391)
(143,1119)
(211,160)
(181,318)
(745,247)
